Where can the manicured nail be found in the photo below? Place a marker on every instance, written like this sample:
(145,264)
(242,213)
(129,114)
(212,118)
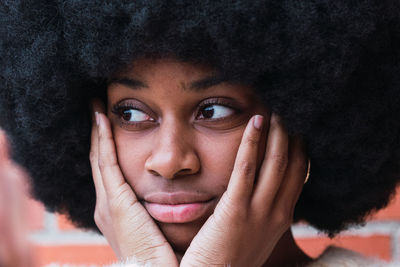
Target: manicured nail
(97,118)
(258,121)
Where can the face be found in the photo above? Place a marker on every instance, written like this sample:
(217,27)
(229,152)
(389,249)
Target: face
(177,129)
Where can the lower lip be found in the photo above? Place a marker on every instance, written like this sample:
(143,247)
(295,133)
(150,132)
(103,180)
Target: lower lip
(179,213)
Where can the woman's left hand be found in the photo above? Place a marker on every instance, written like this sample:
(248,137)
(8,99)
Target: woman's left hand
(251,217)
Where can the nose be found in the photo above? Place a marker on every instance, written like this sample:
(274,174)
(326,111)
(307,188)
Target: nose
(173,153)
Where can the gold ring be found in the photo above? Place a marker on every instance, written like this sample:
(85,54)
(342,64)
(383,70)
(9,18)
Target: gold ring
(308,171)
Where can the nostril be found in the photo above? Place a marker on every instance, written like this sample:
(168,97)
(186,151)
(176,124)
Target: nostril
(154,173)
(185,170)
(181,172)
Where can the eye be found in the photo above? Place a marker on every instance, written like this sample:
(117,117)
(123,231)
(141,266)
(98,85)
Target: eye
(215,112)
(134,115)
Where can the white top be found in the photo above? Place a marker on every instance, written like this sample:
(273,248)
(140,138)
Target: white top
(331,257)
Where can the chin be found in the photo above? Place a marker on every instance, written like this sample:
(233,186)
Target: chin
(180,235)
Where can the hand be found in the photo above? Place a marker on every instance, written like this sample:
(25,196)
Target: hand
(15,249)
(251,217)
(121,218)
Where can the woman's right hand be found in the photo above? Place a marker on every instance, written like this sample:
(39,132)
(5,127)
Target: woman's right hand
(119,215)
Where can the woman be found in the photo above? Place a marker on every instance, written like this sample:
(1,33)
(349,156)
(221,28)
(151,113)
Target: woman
(179,82)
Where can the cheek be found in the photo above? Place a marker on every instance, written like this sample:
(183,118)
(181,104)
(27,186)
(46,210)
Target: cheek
(131,155)
(218,157)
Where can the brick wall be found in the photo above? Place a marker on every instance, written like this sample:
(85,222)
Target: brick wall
(56,240)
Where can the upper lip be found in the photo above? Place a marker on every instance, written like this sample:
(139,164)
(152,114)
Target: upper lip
(175,198)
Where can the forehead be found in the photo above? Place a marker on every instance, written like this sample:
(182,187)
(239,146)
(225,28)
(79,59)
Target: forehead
(166,67)
(144,73)
(166,77)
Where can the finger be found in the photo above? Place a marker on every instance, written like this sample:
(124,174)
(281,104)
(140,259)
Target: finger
(274,165)
(97,106)
(113,179)
(241,182)
(4,149)
(293,182)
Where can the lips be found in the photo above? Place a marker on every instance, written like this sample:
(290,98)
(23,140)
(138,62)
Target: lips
(178,207)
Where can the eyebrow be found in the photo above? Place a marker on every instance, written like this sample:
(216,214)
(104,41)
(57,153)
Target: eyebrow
(198,85)
(207,82)
(131,83)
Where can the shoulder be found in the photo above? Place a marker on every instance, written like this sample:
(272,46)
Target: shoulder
(335,256)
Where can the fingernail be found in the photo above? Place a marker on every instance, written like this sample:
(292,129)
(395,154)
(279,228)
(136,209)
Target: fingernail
(97,118)
(258,121)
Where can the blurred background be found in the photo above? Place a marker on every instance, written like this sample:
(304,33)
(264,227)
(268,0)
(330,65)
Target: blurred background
(55,239)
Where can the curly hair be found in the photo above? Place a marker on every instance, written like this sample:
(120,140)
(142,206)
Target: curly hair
(330,69)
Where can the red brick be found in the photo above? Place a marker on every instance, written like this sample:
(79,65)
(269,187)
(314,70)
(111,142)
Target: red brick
(74,254)
(374,246)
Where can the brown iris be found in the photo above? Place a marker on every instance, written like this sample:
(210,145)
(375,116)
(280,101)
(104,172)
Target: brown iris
(208,112)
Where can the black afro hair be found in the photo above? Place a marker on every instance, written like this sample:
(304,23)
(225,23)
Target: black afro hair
(329,68)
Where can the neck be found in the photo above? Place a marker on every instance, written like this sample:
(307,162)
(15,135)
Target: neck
(287,253)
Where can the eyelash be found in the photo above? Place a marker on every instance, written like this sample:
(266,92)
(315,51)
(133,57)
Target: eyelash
(119,108)
(217,101)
